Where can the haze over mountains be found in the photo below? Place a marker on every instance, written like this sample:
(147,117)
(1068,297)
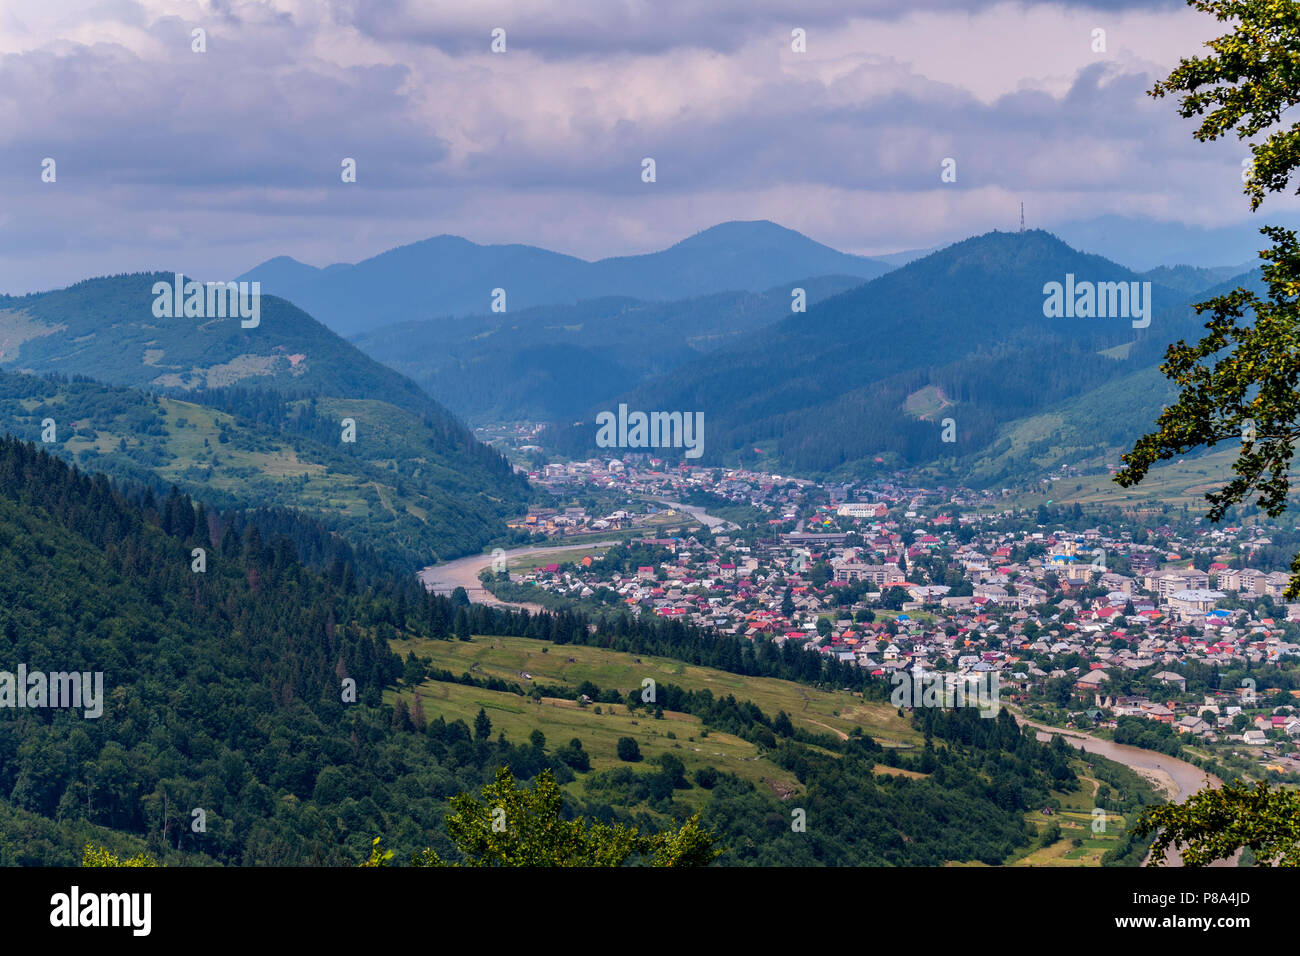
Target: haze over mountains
(447,275)
(1143,244)
(864,380)
(861,381)
(961,334)
(552,363)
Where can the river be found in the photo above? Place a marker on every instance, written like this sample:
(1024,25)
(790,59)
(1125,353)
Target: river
(1178,779)
(699,514)
(464,572)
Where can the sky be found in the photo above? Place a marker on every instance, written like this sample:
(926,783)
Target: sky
(210,162)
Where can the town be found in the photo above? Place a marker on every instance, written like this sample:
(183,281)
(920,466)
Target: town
(1159,629)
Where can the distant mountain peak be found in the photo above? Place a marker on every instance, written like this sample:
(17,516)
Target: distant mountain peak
(747,230)
(452,276)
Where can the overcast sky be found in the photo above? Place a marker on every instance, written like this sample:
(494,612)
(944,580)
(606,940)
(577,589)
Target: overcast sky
(211,162)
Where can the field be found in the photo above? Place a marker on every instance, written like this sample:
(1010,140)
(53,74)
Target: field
(560,719)
(1075,819)
(814,710)
(1173,483)
(526,563)
(926,403)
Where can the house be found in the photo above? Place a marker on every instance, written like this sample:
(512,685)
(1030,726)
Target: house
(1169,677)
(1158,712)
(928,592)
(1192,725)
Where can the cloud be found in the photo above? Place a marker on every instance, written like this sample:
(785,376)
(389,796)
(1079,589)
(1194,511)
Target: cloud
(213,161)
(586,28)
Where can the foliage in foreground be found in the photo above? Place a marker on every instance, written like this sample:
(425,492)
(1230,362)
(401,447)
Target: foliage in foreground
(1213,824)
(95,855)
(515,826)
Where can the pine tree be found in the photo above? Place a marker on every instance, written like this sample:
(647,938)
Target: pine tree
(402,716)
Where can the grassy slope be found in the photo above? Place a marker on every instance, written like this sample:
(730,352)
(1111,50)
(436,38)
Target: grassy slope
(560,720)
(431,507)
(809,709)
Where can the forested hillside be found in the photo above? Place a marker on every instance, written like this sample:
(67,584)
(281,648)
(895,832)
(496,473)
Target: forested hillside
(412,488)
(551,363)
(865,378)
(106,329)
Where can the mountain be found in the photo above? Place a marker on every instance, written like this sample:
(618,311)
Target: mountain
(896,259)
(1099,423)
(285,271)
(1194,279)
(554,362)
(250,415)
(1143,244)
(106,329)
(730,256)
(865,379)
(448,275)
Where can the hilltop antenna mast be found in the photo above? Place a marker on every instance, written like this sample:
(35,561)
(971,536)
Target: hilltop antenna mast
(1022,217)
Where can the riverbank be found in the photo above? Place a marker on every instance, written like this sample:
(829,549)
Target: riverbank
(464,572)
(1176,779)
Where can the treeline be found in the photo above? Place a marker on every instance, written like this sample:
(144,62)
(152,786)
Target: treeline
(1149,735)
(414,487)
(853,816)
(743,718)
(660,637)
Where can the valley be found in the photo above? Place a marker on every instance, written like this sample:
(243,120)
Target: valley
(666,636)
(604,438)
